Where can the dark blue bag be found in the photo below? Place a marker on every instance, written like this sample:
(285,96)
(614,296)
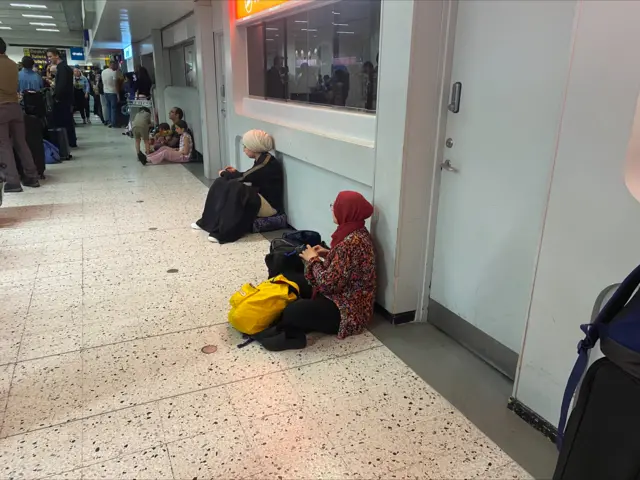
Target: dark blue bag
(303,237)
(51,153)
(617,327)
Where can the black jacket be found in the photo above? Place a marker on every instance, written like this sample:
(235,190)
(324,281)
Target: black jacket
(229,211)
(266,177)
(63,92)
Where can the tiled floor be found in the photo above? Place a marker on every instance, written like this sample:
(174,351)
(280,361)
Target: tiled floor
(101,373)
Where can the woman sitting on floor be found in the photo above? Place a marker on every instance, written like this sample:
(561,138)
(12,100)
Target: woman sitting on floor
(236,199)
(182,154)
(343,279)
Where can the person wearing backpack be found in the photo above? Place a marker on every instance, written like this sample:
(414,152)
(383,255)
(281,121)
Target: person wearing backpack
(343,279)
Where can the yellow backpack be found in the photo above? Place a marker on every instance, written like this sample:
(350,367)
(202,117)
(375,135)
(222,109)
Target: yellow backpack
(253,309)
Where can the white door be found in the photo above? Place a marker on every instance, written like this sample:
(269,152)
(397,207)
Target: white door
(511,59)
(222,98)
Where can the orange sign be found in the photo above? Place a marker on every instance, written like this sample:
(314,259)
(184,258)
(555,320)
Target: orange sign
(245,8)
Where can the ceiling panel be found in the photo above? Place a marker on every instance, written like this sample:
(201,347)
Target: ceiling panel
(18,24)
(125,22)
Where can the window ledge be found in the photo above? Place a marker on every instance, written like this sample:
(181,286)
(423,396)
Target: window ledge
(353,127)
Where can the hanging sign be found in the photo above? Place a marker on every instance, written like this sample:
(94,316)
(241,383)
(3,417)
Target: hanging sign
(246,8)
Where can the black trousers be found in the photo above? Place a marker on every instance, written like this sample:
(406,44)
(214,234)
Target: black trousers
(63,118)
(305,316)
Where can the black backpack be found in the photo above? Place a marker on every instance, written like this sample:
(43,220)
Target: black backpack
(34,103)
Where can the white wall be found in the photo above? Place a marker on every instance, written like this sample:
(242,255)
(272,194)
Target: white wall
(325,151)
(179,32)
(592,228)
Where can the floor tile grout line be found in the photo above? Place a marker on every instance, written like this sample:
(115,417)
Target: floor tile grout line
(193,391)
(15,365)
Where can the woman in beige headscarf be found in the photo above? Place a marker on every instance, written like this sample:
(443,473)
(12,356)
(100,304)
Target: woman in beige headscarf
(265,178)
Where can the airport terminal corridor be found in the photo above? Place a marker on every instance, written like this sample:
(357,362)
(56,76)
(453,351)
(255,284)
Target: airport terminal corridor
(107,297)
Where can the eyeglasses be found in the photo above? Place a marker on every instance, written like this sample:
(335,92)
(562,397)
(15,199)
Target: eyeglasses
(331,206)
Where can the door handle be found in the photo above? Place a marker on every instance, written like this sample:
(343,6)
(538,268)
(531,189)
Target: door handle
(446,165)
(456,93)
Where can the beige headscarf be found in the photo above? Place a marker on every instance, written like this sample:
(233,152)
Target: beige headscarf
(258,141)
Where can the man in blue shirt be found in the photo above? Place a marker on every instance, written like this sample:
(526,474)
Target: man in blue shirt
(27,78)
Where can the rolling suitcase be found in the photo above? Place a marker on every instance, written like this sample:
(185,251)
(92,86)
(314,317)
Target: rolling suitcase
(58,136)
(601,440)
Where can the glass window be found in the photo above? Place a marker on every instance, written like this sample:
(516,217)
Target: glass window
(184,71)
(190,65)
(325,56)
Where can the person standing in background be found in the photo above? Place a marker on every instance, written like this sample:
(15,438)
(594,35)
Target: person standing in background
(27,78)
(111,82)
(103,98)
(143,83)
(63,96)
(81,95)
(12,130)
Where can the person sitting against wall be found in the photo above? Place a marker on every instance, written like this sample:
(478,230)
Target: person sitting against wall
(162,136)
(180,154)
(175,115)
(343,279)
(236,199)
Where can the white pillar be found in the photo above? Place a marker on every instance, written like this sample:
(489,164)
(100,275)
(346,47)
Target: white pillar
(207,88)
(162,72)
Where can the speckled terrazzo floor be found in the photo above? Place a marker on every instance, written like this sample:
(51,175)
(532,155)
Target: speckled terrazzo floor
(101,374)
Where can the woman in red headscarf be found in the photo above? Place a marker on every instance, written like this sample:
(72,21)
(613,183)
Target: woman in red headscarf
(343,278)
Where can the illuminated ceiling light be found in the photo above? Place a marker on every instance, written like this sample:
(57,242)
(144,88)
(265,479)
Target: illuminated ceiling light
(47,30)
(336,13)
(30,15)
(310,30)
(5,28)
(300,21)
(341,24)
(271,28)
(347,33)
(41,24)
(27,5)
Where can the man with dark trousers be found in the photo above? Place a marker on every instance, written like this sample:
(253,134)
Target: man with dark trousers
(12,131)
(63,96)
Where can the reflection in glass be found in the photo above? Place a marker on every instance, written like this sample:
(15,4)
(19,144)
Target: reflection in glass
(327,56)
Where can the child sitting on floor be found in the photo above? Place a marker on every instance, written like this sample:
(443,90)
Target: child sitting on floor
(162,136)
(182,154)
(140,129)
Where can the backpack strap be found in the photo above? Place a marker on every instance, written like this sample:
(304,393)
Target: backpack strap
(593,332)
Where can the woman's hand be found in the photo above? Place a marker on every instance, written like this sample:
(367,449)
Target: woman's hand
(308,254)
(321,251)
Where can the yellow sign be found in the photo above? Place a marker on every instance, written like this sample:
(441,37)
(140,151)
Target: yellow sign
(245,8)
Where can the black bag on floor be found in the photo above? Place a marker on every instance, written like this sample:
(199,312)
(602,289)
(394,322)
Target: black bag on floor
(34,129)
(58,136)
(602,440)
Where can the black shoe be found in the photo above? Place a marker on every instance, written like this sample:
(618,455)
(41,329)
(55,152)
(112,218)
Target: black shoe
(142,158)
(31,182)
(281,342)
(12,188)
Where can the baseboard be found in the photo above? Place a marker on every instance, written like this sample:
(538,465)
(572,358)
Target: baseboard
(395,318)
(533,419)
(501,357)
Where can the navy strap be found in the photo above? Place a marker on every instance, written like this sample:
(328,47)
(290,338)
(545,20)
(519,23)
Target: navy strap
(593,332)
(246,342)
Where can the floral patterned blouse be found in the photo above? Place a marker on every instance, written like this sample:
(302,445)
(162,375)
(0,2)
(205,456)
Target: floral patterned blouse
(347,277)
